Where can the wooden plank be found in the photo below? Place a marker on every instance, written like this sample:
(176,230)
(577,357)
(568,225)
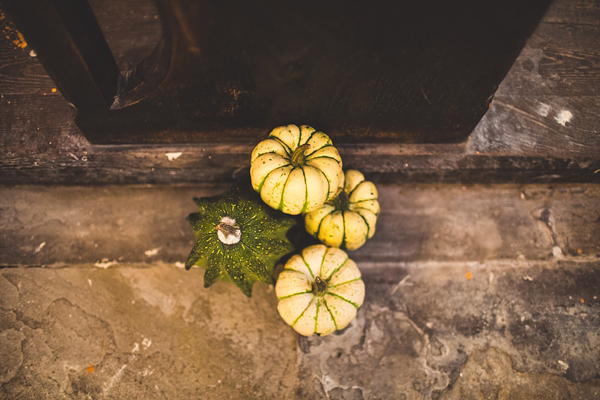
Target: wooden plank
(419,72)
(540,125)
(549,101)
(222,163)
(560,60)
(41,144)
(70,45)
(132,29)
(583,12)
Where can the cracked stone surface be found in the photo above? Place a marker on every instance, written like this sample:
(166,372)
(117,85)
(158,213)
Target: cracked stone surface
(473,292)
(140,333)
(496,330)
(519,331)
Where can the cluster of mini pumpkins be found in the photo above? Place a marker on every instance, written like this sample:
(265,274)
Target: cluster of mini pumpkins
(240,237)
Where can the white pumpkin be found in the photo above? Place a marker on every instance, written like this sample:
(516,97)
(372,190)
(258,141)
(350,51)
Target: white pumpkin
(296,169)
(319,291)
(348,220)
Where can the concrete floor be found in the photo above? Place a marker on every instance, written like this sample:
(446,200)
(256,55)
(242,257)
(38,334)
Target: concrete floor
(473,292)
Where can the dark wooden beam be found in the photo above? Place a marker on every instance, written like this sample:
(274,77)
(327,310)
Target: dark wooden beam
(71,47)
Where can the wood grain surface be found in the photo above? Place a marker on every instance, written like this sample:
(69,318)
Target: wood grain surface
(525,136)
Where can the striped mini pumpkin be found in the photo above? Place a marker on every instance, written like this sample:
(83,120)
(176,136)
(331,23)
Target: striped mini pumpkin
(348,220)
(296,169)
(319,291)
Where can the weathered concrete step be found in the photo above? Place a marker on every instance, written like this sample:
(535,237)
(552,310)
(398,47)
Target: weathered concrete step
(44,225)
(442,331)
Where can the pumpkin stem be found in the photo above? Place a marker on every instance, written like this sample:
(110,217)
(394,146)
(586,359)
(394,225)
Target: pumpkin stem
(227,231)
(320,286)
(298,157)
(342,202)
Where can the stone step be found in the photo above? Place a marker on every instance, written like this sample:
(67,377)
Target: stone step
(442,330)
(65,225)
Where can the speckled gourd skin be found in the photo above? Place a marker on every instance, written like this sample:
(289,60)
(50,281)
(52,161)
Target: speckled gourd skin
(262,241)
(309,311)
(296,186)
(347,228)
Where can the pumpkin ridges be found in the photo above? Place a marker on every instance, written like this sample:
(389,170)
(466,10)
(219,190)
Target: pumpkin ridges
(253,257)
(331,314)
(280,206)
(366,223)
(311,136)
(307,266)
(316,186)
(317,316)
(211,275)
(363,200)
(233,271)
(268,146)
(323,262)
(331,169)
(343,283)
(320,148)
(293,193)
(280,131)
(319,307)
(196,256)
(321,221)
(292,295)
(355,187)
(371,187)
(342,298)
(305,193)
(356,207)
(332,232)
(352,178)
(337,269)
(268,164)
(344,230)
(302,313)
(254,265)
(302,135)
(331,158)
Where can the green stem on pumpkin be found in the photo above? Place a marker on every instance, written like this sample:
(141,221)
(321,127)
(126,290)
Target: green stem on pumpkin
(342,202)
(320,286)
(298,157)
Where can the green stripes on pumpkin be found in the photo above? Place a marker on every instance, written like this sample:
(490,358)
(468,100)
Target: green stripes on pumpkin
(280,206)
(343,244)
(340,284)
(311,136)
(330,313)
(337,269)
(307,266)
(322,147)
(317,316)
(260,186)
(366,223)
(285,146)
(302,313)
(356,187)
(292,295)
(326,179)
(305,193)
(342,298)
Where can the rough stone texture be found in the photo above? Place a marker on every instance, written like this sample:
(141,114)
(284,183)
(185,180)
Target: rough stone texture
(147,333)
(526,331)
(494,330)
(473,292)
(41,225)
